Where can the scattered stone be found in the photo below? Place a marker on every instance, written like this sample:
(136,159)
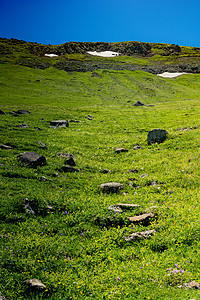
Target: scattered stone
(145,218)
(115,209)
(95,75)
(156,136)
(111,187)
(22,112)
(65,155)
(70,161)
(186,128)
(139,235)
(132,171)
(35,284)
(144,175)
(23,126)
(106,171)
(152,209)
(128,205)
(90,117)
(6,147)
(32,159)
(42,145)
(55,174)
(43,178)
(131,184)
(74,121)
(118,150)
(192,285)
(59,123)
(37,128)
(69,169)
(138,103)
(2,112)
(154,183)
(137,147)
(49,207)
(28,208)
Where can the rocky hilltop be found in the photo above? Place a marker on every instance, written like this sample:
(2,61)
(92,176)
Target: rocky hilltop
(73,56)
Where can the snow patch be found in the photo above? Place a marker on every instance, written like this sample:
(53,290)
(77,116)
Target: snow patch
(104,53)
(171,75)
(51,55)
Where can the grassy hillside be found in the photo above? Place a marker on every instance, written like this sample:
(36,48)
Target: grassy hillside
(72,243)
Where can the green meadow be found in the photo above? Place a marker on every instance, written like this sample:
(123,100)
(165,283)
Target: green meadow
(72,243)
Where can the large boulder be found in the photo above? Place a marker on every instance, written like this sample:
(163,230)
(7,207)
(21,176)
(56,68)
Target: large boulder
(111,187)
(156,136)
(59,123)
(32,159)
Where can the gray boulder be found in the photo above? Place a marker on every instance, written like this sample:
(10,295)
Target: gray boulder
(139,235)
(32,159)
(35,284)
(59,123)
(111,187)
(70,161)
(144,219)
(156,136)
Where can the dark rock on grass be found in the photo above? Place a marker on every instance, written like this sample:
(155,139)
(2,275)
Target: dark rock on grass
(105,171)
(138,103)
(113,187)
(74,121)
(59,123)
(144,219)
(42,145)
(69,169)
(144,175)
(90,117)
(119,150)
(35,284)
(23,112)
(32,159)
(128,205)
(95,75)
(6,147)
(116,209)
(28,208)
(23,126)
(37,128)
(70,161)
(132,171)
(139,235)
(156,136)
(2,112)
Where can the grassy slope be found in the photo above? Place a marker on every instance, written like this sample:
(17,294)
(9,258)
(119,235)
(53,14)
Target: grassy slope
(75,255)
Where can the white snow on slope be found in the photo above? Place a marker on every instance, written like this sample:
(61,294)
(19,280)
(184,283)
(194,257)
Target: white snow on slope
(171,75)
(104,53)
(51,55)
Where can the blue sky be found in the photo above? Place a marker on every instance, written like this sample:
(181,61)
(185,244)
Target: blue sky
(60,21)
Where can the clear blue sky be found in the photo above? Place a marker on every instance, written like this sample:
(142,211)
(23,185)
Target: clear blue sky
(59,21)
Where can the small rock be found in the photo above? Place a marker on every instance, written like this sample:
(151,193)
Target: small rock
(192,285)
(128,205)
(49,207)
(23,126)
(145,218)
(70,161)
(27,207)
(118,150)
(154,183)
(55,174)
(132,171)
(22,112)
(35,284)
(42,145)
(75,121)
(69,169)
(90,117)
(144,175)
(138,103)
(139,235)
(115,209)
(43,178)
(156,136)
(59,123)
(137,147)
(37,128)
(32,159)
(111,187)
(6,147)
(106,171)
(2,112)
